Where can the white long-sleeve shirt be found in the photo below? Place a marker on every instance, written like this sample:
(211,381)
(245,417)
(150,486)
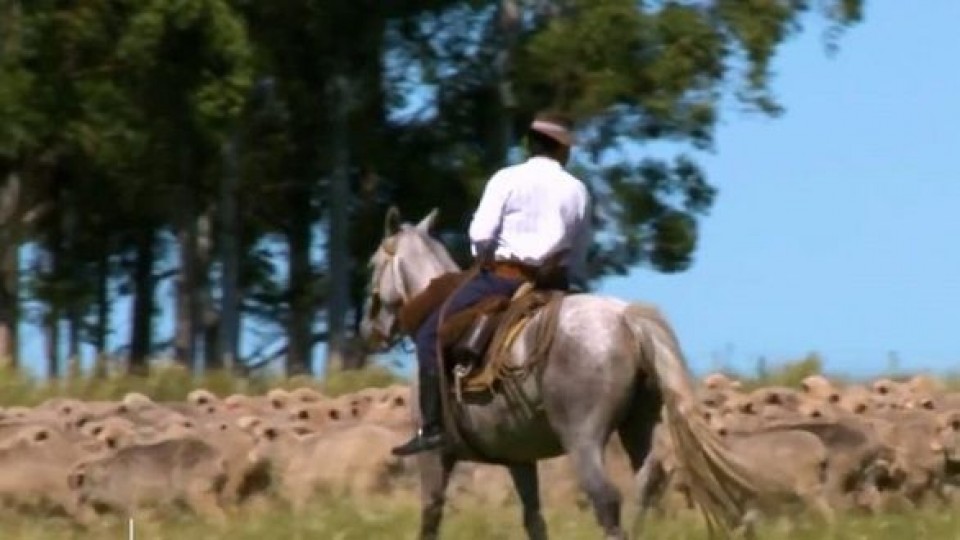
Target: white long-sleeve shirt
(531,211)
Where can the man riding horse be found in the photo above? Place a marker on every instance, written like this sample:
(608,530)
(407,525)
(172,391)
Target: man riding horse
(531,215)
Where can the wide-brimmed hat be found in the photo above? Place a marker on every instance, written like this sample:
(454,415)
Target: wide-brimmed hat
(554,126)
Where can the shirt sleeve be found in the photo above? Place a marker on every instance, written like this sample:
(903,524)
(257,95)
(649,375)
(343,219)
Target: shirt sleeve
(581,244)
(489,214)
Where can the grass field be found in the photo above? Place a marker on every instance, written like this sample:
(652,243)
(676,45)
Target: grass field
(393,519)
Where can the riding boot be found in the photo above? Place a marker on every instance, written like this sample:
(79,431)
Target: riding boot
(430,435)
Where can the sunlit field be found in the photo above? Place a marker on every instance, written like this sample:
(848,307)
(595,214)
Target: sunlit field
(334,519)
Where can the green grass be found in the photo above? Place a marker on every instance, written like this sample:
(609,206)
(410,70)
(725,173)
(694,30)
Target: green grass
(338,519)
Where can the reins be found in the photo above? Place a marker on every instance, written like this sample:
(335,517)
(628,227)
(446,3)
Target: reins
(451,426)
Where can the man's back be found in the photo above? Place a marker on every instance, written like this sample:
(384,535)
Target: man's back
(533,210)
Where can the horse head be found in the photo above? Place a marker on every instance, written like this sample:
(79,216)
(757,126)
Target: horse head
(407,258)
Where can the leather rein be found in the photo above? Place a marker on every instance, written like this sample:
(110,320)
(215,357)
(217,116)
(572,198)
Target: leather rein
(451,427)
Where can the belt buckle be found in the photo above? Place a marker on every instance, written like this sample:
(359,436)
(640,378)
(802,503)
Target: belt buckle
(511,271)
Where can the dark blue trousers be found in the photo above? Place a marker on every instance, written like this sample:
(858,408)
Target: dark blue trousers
(483,285)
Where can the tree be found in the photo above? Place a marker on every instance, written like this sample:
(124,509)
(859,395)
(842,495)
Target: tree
(107,119)
(121,120)
(203,46)
(630,73)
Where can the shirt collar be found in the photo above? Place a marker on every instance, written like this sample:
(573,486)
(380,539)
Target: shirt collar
(543,161)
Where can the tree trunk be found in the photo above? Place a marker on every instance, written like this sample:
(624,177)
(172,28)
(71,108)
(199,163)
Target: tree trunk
(9,304)
(510,26)
(209,319)
(53,261)
(51,317)
(366,151)
(72,279)
(212,358)
(229,331)
(300,287)
(143,303)
(51,341)
(338,247)
(184,340)
(74,337)
(10,203)
(185,331)
(102,323)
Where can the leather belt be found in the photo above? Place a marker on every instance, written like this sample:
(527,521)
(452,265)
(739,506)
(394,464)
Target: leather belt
(513,270)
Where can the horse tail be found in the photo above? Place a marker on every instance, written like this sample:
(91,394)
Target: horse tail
(719,484)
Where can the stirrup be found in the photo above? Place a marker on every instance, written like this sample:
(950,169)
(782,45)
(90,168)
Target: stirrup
(460,372)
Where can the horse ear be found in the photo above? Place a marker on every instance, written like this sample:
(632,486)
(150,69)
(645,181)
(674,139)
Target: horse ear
(391,224)
(426,224)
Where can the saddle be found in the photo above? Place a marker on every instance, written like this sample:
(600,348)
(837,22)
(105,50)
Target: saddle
(477,345)
(418,308)
(475,341)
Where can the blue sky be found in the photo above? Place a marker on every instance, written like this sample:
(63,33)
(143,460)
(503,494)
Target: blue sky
(836,224)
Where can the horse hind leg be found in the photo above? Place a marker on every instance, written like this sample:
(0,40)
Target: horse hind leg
(527,484)
(636,433)
(604,496)
(650,482)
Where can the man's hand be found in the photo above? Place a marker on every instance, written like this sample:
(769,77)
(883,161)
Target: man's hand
(484,253)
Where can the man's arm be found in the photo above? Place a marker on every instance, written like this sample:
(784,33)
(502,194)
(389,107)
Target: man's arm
(488,217)
(579,274)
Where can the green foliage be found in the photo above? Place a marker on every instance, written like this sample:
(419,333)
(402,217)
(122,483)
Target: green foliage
(115,114)
(191,60)
(607,52)
(17,123)
(659,72)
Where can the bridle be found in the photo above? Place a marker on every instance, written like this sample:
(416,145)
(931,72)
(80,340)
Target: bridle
(389,247)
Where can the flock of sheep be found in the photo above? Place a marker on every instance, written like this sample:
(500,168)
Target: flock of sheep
(830,448)
(827,447)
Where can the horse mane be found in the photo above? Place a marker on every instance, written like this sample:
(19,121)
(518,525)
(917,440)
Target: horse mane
(422,252)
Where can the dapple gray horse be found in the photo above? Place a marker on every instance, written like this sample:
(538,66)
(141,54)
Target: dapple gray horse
(613,366)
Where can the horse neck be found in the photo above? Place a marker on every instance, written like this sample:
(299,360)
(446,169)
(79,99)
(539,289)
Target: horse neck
(429,265)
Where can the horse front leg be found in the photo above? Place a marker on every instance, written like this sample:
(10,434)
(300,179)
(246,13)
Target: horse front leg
(527,484)
(435,470)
